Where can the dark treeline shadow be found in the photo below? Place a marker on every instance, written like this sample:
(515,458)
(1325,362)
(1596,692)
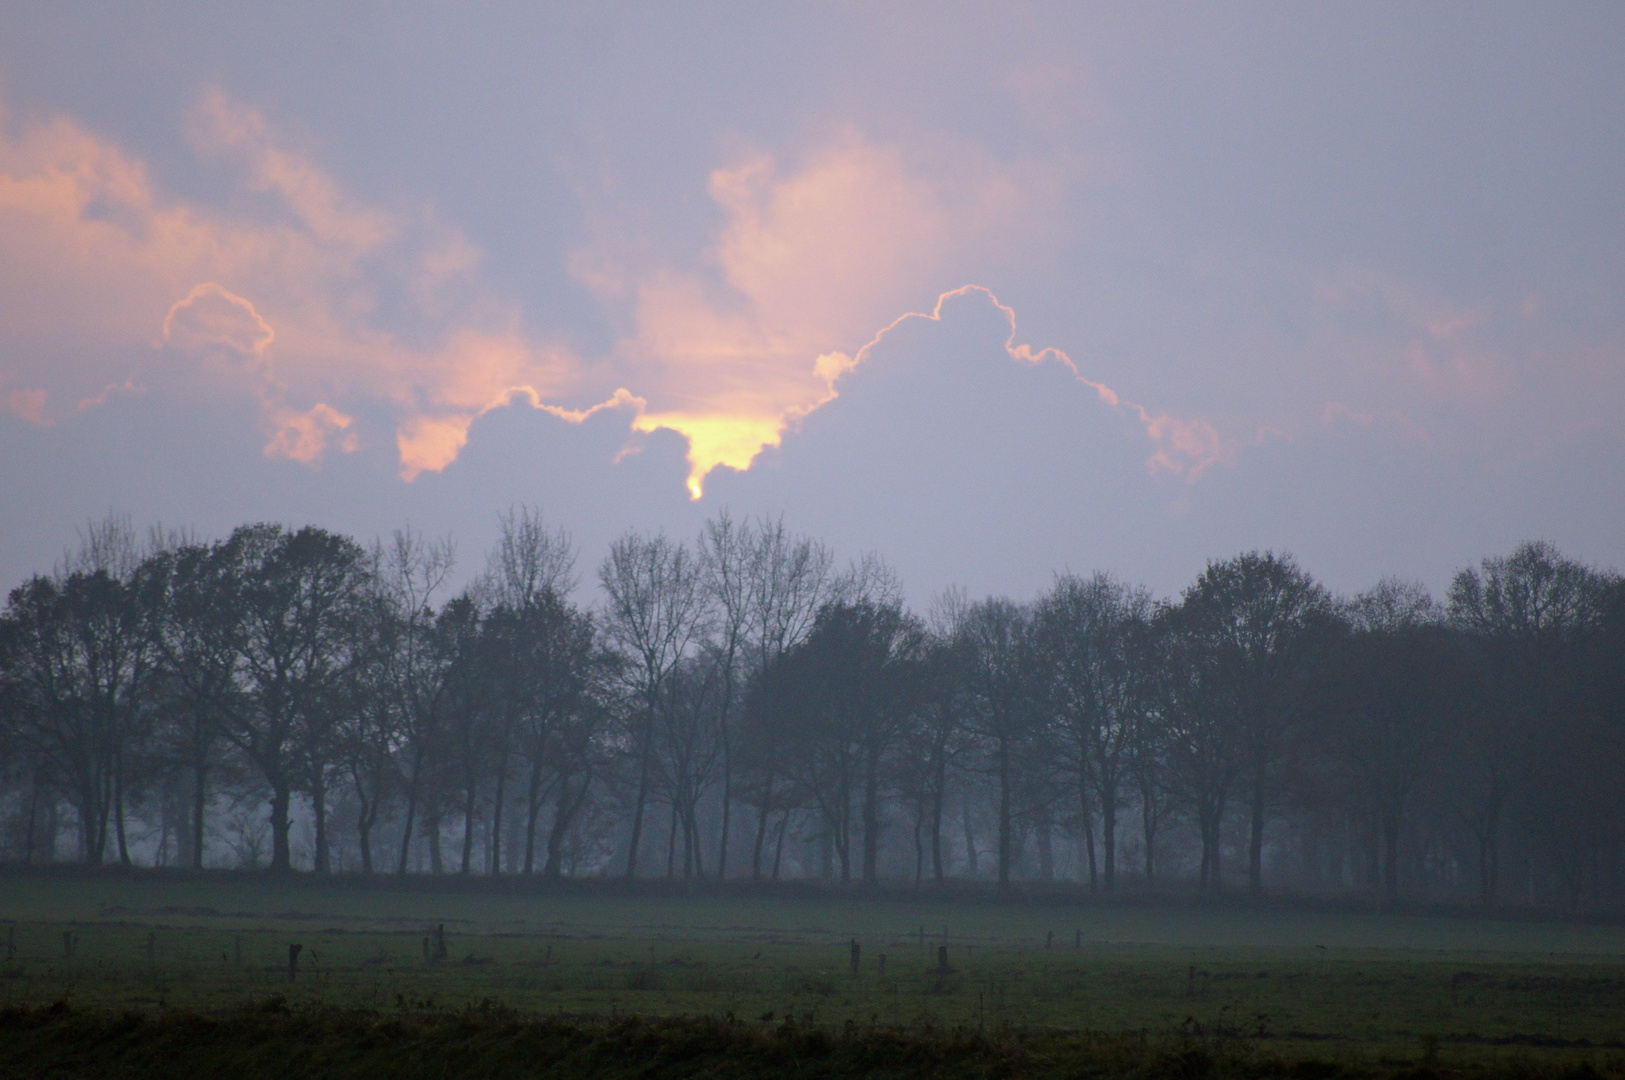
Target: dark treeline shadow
(739,712)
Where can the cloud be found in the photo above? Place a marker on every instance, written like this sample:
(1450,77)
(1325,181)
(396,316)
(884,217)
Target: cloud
(1399,335)
(808,273)
(211,317)
(1336,411)
(282,298)
(1183,447)
(28,404)
(231,130)
(304,436)
(285,297)
(1186,448)
(811,258)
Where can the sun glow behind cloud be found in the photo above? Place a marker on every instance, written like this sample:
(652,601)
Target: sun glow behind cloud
(814,254)
(810,260)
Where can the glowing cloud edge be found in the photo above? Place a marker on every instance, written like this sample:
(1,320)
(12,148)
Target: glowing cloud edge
(1184,447)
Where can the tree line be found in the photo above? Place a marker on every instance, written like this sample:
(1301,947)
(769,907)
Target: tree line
(739,705)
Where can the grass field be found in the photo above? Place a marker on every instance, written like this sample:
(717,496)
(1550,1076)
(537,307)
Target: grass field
(1340,981)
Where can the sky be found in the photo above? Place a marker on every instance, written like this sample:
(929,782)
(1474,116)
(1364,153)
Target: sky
(993,290)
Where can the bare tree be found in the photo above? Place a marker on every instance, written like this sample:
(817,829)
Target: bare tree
(1002,716)
(472,715)
(654,613)
(1394,684)
(729,553)
(49,706)
(1529,611)
(302,599)
(1096,688)
(549,671)
(789,579)
(1199,713)
(937,737)
(689,741)
(528,561)
(1148,753)
(414,657)
(81,671)
(369,729)
(199,634)
(108,546)
(1262,609)
(529,569)
(848,692)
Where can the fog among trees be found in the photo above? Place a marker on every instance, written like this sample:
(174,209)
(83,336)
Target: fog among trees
(743,704)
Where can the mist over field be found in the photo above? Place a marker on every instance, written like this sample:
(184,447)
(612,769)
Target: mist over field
(1021,539)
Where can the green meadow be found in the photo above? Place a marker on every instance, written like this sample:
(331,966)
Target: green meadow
(1339,979)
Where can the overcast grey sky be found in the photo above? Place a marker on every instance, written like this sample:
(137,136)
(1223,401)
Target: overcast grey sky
(993,290)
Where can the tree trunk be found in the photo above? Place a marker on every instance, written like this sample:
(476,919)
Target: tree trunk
(643,796)
(761,828)
(1255,843)
(919,844)
(1390,859)
(92,821)
(691,827)
(727,803)
(1210,822)
(1004,816)
(970,837)
(564,813)
(778,847)
(553,868)
(936,832)
(495,860)
(826,850)
(363,831)
(411,809)
(318,805)
(1108,834)
(533,807)
(98,827)
(1204,876)
(1488,866)
(200,802)
(1148,825)
(843,833)
(281,854)
(431,828)
(48,829)
(470,799)
(1086,813)
(33,822)
(871,820)
(671,844)
(118,812)
(1215,863)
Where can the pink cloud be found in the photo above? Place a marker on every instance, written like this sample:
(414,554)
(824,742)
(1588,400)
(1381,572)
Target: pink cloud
(811,258)
(28,404)
(210,317)
(99,260)
(813,254)
(304,436)
(1336,411)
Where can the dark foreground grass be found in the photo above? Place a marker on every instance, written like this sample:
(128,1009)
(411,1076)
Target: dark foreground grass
(273,1039)
(159,974)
